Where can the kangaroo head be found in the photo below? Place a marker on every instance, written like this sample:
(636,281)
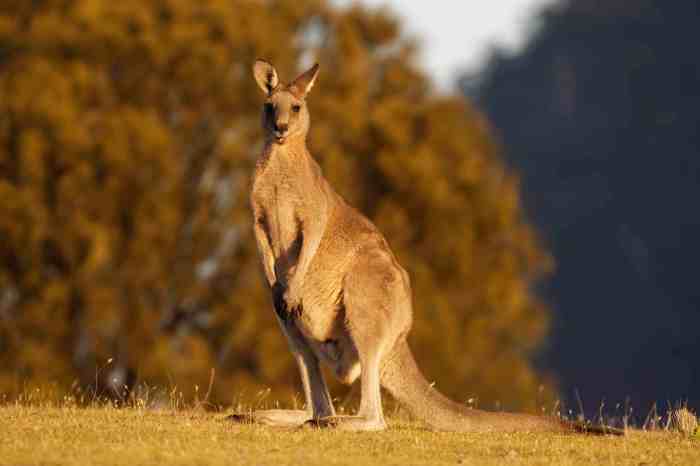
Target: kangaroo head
(285,115)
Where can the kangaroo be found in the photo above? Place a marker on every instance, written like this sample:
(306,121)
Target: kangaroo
(339,294)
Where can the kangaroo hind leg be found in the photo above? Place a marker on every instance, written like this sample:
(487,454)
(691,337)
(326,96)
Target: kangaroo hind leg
(373,296)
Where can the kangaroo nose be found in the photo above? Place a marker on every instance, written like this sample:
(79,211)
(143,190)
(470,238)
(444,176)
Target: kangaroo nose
(282,128)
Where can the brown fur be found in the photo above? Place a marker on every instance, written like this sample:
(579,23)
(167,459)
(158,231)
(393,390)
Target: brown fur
(340,295)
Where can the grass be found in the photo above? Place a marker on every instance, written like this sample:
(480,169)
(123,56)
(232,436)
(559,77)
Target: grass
(49,435)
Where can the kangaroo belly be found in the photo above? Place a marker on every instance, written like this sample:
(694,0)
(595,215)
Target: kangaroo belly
(340,355)
(318,322)
(322,322)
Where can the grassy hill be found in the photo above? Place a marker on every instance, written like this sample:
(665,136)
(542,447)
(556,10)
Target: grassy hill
(132,436)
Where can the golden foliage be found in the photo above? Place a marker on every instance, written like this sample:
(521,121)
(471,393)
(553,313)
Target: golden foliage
(128,131)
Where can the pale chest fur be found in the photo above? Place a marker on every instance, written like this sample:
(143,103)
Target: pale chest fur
(279,197)
(276,201)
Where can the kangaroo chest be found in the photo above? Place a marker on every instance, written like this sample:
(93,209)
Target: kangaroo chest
(283,195)
(276,207)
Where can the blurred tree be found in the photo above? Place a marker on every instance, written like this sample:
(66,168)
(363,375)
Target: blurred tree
(128,131)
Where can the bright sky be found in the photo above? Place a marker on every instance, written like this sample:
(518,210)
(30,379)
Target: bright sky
(456,34)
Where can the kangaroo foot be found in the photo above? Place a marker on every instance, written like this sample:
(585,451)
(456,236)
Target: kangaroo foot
(351,423)
(272,417)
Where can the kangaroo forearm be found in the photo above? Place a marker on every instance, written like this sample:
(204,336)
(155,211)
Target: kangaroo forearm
(266,255)
(308,250)
(312,230)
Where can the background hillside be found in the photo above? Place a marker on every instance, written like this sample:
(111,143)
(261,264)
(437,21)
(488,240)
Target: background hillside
(600,115)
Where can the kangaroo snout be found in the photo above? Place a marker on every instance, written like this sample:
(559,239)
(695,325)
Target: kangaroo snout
(281,132)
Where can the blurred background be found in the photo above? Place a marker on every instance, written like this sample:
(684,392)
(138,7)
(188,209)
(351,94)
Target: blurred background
(533,164)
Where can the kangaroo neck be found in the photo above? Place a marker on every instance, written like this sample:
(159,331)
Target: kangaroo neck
(292,151)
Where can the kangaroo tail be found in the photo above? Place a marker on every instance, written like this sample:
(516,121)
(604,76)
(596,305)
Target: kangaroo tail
(404,380)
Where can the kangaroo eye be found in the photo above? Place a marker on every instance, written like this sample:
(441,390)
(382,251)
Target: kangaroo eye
(269,109)
(296,108)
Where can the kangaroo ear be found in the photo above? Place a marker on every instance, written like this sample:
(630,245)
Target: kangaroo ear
(306,80)
(265,75)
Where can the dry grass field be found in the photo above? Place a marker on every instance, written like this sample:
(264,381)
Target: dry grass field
(46,435)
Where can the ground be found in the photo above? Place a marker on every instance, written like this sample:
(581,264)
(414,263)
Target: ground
(133,436)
